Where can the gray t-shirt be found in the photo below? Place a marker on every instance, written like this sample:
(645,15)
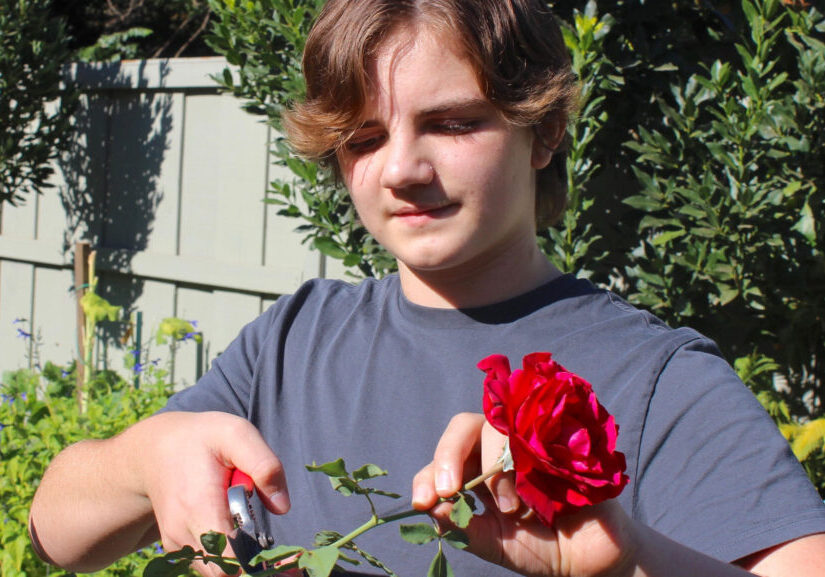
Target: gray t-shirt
(359,372)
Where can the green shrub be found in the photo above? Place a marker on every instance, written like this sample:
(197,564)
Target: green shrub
(34,111)
(732,200)
(38,417)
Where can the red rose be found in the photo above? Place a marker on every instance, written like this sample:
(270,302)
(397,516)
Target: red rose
(563,442)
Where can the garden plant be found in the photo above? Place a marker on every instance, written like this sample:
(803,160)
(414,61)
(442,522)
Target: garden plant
(696,184)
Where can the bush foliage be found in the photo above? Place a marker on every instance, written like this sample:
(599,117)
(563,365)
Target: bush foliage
(34,110)
(696,173)
(39,416)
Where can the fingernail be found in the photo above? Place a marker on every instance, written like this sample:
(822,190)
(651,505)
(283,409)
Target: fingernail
(443,481)
(280,500)
(506,503)
(419,496)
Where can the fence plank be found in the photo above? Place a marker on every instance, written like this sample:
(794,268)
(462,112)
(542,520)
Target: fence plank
(223,182)
(16,288)
(54,306)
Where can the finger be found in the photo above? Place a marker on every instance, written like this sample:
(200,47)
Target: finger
(246,450)
(423,489)
(501,486)
(459,441)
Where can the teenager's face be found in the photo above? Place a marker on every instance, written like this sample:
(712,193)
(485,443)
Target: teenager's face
(436,174)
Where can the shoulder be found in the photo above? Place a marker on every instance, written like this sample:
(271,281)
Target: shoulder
(330,301)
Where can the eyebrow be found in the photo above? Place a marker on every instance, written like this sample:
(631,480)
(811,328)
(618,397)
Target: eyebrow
(459,105)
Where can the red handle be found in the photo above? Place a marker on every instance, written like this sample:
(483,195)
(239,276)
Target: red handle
(241,478)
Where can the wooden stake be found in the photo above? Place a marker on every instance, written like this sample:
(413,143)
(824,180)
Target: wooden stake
(81,282)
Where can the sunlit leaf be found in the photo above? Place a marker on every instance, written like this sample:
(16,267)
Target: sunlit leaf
(319,562)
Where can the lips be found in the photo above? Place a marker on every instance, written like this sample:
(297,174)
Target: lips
(431,210)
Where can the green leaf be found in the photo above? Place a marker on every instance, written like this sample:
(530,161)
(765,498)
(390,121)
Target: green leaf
(665,237)
(456,538)
(376,562)
(344,485)
(278,553)
(214,542)
(166,567)
(329,247)
(440,567)
(418,533)
(335,468)
(319,562)
(323,538)
(228,566)
(462,511)
(98,308)
(368,471)
(806,224)
(382,493)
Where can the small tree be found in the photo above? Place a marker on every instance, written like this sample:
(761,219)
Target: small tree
(34,110)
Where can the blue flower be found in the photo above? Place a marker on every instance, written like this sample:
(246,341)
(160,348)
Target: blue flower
(24,396)
(21,334)
(138,368)
(64,373)
(135,353)
(18,320)
(158,549)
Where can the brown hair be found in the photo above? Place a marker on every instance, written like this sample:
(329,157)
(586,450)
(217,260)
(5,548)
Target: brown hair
(515,46)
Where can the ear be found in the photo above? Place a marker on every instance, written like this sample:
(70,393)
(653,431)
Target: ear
(548,136)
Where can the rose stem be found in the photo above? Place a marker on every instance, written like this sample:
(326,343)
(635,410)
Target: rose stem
(374,521)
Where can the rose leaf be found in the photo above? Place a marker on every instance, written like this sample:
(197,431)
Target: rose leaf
(335,468)
(166,567)
(344,485)
(226,565)
(368,471)
(440,567)
(323,538)
(418,533)
(384,493)
(456,538)
(376,562)
(279,553)
(319,562)
(462,510)
(214,542)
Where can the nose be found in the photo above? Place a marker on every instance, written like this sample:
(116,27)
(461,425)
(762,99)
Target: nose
(406,163)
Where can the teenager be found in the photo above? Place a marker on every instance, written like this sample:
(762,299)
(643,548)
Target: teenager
(445,120)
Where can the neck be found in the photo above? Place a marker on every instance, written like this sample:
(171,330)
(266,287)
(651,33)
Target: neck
(478,284)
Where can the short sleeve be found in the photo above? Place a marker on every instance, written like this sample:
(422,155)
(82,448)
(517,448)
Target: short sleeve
(714,473)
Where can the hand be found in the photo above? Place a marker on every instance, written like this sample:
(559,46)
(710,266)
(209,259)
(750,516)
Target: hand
(188,472)
(598,540)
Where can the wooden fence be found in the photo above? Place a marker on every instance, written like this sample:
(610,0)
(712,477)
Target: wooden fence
(166,179)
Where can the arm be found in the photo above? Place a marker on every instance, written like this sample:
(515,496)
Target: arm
(165,476)
(599,540)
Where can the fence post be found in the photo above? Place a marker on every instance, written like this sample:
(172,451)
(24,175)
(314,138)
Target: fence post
(82,250)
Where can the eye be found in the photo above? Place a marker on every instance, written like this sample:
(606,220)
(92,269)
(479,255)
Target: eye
(455,126)
(363,143)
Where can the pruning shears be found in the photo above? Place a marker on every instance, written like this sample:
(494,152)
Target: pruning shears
(249,536)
